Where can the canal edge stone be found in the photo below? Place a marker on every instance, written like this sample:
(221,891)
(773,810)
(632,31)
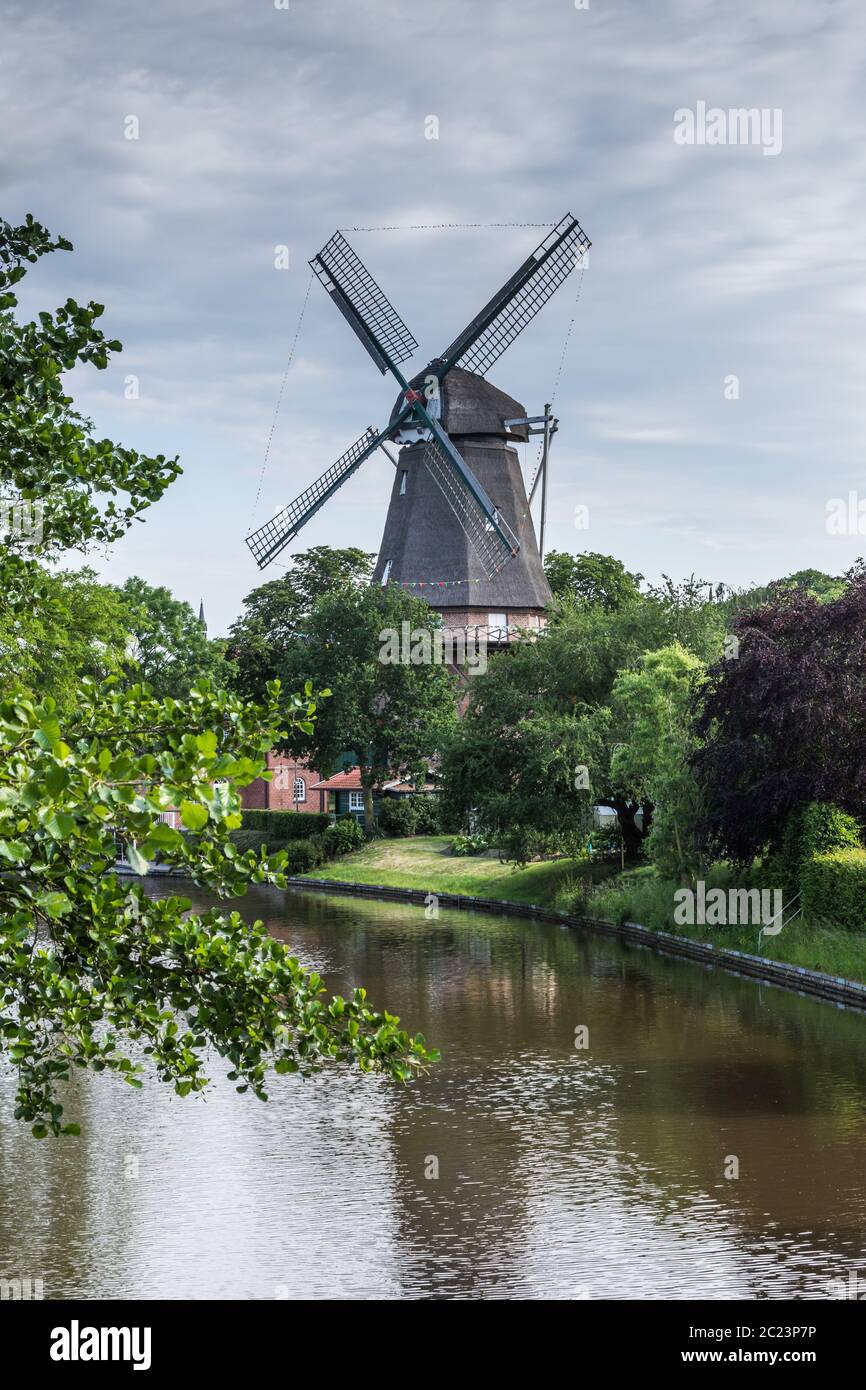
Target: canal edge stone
(798,979)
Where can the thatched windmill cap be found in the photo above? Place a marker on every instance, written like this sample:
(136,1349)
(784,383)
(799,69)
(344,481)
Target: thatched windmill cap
(471,405)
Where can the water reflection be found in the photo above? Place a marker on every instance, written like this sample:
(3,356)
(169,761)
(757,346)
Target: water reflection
(561,1173)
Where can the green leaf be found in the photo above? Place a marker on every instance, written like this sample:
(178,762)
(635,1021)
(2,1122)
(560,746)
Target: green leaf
(163,836)
(60,826)
(13,850)
(54,904)
(137,860)
(207,743)
(56,778)
(48,733)
(194,816)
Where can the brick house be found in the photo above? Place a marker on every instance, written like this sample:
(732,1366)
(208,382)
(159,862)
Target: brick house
(292,788)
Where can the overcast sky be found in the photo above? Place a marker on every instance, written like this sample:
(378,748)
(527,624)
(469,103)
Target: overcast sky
(261,126)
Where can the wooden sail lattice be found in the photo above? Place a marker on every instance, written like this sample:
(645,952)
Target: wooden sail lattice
(487,532)
(364,306)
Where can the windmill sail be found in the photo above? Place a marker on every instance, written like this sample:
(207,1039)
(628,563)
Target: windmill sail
(389,342)
(489,534)
(506,315)
(267,542)
(362,303)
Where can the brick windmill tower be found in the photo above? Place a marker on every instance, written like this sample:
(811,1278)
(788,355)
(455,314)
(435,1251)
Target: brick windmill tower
(458,532)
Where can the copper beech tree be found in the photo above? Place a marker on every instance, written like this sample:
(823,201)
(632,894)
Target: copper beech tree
(782,722)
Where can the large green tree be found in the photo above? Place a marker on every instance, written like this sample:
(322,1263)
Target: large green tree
(90,489)
(93,972)
(591,577)
(74,627)
(390,715)
(808,583)
(275,613)
(168,646)
(561,685)
(652,708)
(529,782)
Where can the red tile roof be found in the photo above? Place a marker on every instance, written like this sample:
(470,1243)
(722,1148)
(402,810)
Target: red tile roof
(349,781)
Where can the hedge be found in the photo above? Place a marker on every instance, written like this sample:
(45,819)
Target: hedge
(815,829)
(410,815)
(834,888)
(248,839)
(280,826)
(309,852)
(428,813)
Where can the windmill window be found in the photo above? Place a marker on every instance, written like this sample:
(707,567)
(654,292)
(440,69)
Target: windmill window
(497,627)
(300,792)
(404,473)
(386,573)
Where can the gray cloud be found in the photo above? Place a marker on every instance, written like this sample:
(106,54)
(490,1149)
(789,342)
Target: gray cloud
(261,126)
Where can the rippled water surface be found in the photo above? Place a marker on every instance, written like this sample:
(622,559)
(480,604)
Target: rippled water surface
(562,1173)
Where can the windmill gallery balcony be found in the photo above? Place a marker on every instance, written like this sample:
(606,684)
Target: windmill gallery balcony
(498,630)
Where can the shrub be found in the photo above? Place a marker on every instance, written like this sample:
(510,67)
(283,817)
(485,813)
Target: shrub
(303,855)
(345,835)
(280,826)
(428,814)
(463,845)
(834,888)
(606,842)
(248,839)
(815,829)
(397,816)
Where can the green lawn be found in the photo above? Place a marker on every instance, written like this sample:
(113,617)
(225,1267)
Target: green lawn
(640,896)
(425,862)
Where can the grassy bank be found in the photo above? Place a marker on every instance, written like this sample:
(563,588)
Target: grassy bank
(425,861)
(640,896)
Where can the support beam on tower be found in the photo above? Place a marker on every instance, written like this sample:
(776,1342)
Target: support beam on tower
(546,425)
(544,459)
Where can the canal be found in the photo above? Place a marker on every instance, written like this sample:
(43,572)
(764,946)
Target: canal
(521,1167)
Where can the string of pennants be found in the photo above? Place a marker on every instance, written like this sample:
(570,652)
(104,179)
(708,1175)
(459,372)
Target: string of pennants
(433,583)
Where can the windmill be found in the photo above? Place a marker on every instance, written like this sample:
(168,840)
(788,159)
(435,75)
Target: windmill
(458,515)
